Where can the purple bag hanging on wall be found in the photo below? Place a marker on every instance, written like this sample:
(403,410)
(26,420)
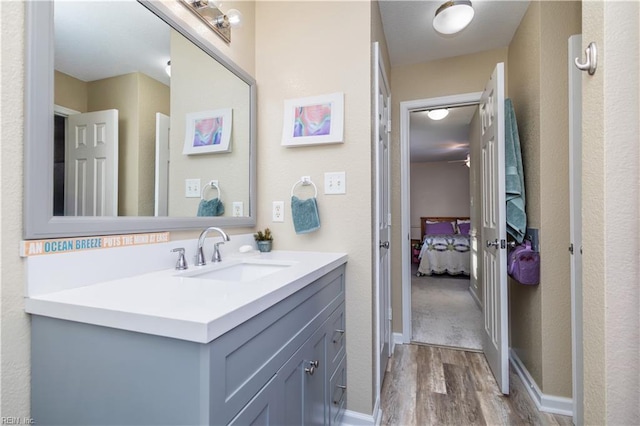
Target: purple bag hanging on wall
(524,264)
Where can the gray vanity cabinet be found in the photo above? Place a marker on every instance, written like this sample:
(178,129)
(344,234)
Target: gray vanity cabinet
(260,372)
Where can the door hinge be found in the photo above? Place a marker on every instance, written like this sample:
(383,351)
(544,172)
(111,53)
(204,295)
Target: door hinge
(571,248)
(390,314)
(389,126)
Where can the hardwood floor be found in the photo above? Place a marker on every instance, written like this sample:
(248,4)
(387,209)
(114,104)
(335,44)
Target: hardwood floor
(428,385)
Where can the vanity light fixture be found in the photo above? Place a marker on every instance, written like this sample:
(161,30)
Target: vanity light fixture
(215,19)
(167,69)
(438,114)
(453,16)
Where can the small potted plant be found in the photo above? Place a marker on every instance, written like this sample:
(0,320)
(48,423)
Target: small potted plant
(264,240)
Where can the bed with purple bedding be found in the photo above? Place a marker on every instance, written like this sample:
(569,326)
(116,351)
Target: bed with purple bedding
(445,246)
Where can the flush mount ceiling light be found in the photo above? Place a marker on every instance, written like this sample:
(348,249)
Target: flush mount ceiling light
(221,23)
(453,16)
(438,114)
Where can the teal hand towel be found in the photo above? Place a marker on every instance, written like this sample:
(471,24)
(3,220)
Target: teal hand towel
(305,215)
(514,176)
(213,207)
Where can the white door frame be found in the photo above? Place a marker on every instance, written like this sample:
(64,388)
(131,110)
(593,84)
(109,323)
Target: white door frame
(380,77)
(575,209)
(405,202)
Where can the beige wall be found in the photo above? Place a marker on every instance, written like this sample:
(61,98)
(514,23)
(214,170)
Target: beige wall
(70,92)
(14,323)
(538,86)
(214,88)
(610,192)
(524,90)
(452,76)
(298,58)
(438,189)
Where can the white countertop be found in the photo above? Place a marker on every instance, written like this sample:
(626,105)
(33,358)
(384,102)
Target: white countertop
(165,303)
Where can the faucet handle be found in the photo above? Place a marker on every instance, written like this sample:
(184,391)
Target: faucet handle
(216,252)
(182,261)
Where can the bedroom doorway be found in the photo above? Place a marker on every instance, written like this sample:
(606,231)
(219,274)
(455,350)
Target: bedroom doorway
(445,308)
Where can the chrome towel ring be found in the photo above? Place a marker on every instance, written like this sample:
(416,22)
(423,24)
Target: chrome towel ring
(212,184)
(305,181)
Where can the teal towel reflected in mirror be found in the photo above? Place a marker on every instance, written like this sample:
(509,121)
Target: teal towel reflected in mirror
(305,215)
(213,207)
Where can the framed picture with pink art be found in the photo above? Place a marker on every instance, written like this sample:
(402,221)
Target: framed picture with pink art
(208,132)
(313,120)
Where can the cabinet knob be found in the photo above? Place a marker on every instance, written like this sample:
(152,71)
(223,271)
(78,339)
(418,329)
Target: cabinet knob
(312,367)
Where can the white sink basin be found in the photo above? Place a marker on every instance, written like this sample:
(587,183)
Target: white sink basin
(246,270)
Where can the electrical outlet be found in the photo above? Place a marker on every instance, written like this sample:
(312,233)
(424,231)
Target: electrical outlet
(335,183)
(238,209)
(278,211)
(192,188)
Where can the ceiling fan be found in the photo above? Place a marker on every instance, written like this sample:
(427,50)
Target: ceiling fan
(466,161)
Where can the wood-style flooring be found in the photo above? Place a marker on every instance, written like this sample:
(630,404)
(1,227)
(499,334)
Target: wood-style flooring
(428,385)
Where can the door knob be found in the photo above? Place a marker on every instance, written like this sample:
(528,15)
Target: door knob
(494,244)
(384,245)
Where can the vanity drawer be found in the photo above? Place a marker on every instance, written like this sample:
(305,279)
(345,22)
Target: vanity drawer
(337,337)
(243,360)
(338,393)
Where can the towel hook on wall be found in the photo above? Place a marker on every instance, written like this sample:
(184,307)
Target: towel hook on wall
(591,61)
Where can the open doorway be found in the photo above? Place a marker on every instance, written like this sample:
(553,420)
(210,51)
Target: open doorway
(445,307)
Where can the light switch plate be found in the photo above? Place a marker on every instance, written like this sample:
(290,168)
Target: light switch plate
(278,211)
(192,188)
(335,183)
(238,209)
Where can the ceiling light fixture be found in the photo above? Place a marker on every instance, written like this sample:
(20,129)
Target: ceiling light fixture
(438,114)
(453,16)
(221,23)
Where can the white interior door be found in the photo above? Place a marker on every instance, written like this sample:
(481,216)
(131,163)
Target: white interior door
(383,215)
(162,165)
(91,164)
(495,296)
(575,229)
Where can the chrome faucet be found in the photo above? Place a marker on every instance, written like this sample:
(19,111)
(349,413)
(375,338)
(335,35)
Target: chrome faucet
(216,251)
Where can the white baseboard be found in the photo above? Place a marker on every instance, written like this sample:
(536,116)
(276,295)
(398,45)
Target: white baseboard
(475,298)
(547,403)
(353,418)
(398,339)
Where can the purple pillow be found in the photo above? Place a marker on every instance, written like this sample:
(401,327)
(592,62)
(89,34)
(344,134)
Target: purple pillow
(464,228)
(438,228)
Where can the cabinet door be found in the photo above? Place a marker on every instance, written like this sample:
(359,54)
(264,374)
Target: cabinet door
(263,410)
(304,383)
(315,398)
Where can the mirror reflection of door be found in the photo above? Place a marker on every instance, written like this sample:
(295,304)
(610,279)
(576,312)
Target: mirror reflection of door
(91,164)
(161,207)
